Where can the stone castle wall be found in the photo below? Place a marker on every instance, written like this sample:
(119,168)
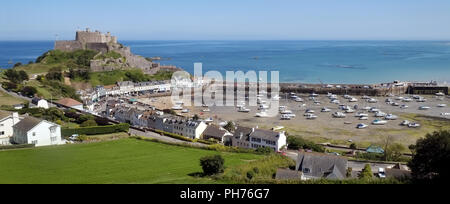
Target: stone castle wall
(68,46)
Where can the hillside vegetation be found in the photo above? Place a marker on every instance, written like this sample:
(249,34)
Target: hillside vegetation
(52,74)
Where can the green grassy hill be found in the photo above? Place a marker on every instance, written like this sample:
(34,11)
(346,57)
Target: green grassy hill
(122,161)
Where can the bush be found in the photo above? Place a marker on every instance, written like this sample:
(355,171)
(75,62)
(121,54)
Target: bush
(88,123)
(175,136)
(98,130)
(9,86)
(353,146)
(250,175)
(29,91)
(366,172)
(212,165)
(296,143)
(265,150)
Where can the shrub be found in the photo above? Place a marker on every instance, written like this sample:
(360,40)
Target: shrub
(212,165)
(366,172)
(29,91)
(265,150)
(296,143)
(88,123)
(175,136)
(250,175)
(353,146)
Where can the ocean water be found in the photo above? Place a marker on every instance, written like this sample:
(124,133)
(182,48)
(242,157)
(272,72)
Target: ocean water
(297,61)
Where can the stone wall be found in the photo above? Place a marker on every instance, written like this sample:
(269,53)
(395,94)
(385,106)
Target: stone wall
(99,47)
(68,46)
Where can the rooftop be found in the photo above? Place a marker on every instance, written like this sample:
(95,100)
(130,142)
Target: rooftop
(68,102)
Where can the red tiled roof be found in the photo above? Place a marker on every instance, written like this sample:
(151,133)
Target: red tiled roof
(69,102)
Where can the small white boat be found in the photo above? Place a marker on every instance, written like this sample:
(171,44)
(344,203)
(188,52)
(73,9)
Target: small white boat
(335,102)
(209,120)
(380,114)
(325,110)
(205,106)
(339,115)
(405,123)
(442,105)
(353,100)
(298,100)
(177,108)
(349,110)
(404,107)
(286,112)
(314,95)
(206,110)
(360,114)
(282,108)
(424,108)
(379,122)
(244,110)
(263,107)
(185,111)
(414,125)
(309,111)
(399,98)
(416,97)
(395,104)
(445,114)
(276,98)
(310,116)
(440,94)
(262,115)
(391,117)
(372,100)
(285,117)
(362,126)
(374,110)
(407,100)
(421,100)
(367,108)
(364,118)
(365,97)
(347,97)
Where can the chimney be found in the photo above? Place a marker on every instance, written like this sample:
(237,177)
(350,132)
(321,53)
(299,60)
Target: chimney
(16,118)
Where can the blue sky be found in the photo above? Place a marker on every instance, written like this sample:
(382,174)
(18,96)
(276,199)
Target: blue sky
(228,19)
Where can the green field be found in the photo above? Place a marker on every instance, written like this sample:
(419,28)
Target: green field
(8,100)
(121,161)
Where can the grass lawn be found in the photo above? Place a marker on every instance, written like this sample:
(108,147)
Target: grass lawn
(6,99)
(39,68)
(120,161)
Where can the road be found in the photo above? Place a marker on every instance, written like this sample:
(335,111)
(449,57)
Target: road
(162,138)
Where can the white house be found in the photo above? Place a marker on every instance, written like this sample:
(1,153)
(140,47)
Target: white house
(190,129)
(7,121)
(31,130)
(40,103)
(267,138)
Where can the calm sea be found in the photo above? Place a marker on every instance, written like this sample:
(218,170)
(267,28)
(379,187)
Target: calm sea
(297,61)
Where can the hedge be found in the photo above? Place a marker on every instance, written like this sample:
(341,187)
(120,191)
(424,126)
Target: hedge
(20,146)
(97,130)
(175,136)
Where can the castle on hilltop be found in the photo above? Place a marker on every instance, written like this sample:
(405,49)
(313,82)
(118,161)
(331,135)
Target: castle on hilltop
(104,43)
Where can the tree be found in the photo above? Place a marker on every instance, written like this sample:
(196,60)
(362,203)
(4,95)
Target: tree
(212,165)
(296,143)
(89,123)
(23,76)
(196,117)
(9,85)
(431,158)
(366,172)
(55,74)
(84,118)
(353,146)
(18,64)
(230,127)
(29,91)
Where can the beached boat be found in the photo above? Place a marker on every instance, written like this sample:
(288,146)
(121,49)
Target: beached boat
(445,114)
(262,114)
(440,94)
(364,118)
(299,100)
(372,100)
(335,102)
(310,116)
(379,122)
(365,97)
(414,125)
(391,117)
(244,110)
(424,108)
(367,108)
(286,112)
(395,104)
(206,110)
(407,100)
(177,108)
(421,100)
(353,100)
(185,111)
(404,107)
(362,126)
(339,115)
(442,105)
(314,95)
(361,114)
(325,110)
(285,117)
(263,107)
(405,123)
(309,111)
(209,120)
(349,110)
(380,114)
(374,110)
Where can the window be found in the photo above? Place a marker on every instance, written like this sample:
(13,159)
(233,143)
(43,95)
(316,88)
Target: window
(34,134)
(53,129)
(53,139)
(306,170)
(2,133)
